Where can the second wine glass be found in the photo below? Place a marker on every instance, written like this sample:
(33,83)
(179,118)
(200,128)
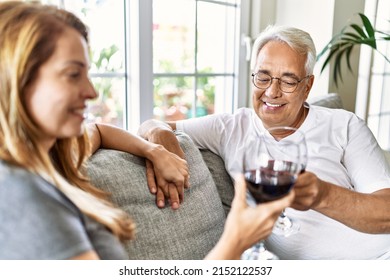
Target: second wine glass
(288,145)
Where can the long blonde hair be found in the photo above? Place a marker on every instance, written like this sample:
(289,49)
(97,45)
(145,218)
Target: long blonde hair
(28,36)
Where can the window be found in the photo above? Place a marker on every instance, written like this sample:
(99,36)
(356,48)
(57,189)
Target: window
(108,67)
(166,59)
(194,57)
(378,118)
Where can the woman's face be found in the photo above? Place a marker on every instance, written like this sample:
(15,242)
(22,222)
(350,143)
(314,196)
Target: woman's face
(274,107)
(56,99)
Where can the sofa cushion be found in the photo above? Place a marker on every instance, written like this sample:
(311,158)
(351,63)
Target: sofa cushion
(187,233)
(330,100)
(221,178)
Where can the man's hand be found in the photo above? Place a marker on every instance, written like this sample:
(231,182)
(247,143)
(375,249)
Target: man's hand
(168,174)
(309,191)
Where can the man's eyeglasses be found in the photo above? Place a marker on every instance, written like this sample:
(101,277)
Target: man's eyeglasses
(286,84)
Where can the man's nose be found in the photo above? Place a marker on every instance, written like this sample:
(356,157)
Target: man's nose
(273,90)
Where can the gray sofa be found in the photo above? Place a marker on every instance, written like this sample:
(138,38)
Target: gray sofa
(187,233)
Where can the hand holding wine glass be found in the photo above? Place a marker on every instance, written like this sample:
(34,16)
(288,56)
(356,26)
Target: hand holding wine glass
(246,224)
(270,169)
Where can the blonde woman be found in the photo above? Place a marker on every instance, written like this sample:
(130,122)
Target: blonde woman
(48,208)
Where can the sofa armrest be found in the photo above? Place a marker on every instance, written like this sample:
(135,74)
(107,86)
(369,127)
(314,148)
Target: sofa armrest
(187,233)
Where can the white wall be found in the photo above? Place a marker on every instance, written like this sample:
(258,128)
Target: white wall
(314,17)
(345,10)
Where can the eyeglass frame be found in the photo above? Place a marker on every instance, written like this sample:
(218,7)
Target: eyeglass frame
(279,81)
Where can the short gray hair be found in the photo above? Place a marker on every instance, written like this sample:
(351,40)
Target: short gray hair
(297,39)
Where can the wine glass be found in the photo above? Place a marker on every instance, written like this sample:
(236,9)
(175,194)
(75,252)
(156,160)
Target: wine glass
(281,139)
(269,173)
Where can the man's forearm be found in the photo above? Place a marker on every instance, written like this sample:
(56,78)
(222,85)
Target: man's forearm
(368,213)
(149,127)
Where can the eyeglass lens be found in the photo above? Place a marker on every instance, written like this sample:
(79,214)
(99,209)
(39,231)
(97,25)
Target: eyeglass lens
(286,84)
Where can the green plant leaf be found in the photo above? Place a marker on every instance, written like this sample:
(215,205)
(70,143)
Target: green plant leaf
(348,57)
(337,66)
(370,42)
(334,49)
(359,30)
(352,41)
(331,53)
(352,35)
(387,35)
(367,25)
(341,45)
(324,50)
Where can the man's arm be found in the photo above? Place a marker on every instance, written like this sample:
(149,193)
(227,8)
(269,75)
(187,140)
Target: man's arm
(149,127)
(369,213)
(161,133)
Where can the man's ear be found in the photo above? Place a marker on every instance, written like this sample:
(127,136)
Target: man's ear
(309,85)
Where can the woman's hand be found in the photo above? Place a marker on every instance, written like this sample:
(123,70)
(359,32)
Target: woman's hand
(159,172)
(246,225)
(167,176)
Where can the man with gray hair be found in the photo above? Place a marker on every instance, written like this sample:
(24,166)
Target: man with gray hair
(342,200)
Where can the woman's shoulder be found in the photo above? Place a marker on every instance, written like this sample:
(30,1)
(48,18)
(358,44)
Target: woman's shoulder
(20,185)
(11,174)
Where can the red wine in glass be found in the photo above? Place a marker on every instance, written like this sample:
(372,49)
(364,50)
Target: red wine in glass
(267,184)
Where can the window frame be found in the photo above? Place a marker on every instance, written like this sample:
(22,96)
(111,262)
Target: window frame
(371,99)
(141,64)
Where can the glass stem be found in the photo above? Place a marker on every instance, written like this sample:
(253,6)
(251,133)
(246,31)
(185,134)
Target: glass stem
(284,222)
(260,247)
(283,214)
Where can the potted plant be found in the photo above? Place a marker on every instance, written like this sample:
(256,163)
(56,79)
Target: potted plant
(342,44)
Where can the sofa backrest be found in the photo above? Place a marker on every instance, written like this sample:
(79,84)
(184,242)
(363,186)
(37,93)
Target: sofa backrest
(221,178)
(330,100)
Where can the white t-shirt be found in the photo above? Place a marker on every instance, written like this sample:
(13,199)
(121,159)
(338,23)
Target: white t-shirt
(341,150)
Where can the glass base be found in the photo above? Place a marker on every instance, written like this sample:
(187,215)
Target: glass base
(258,252)
(285,226)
